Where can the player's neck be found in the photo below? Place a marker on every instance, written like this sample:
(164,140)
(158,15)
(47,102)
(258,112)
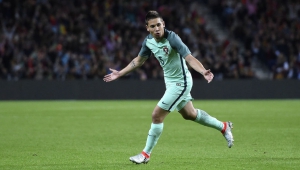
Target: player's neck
(160,38)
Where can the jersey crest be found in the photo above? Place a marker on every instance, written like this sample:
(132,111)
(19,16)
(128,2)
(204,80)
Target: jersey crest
(166,50)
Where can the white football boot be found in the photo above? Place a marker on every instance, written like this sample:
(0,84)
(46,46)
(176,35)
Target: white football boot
(228,134)
(140,158)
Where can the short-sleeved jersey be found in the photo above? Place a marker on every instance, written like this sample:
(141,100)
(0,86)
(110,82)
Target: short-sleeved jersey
(170,52)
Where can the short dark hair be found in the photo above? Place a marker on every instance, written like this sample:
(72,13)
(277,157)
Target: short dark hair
(152,15)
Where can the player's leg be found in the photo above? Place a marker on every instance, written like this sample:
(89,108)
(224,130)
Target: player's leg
(158,116)
(156,128)
(188,112)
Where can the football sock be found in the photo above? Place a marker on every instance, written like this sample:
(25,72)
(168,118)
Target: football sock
(145,154)
(153,136)
(205,119)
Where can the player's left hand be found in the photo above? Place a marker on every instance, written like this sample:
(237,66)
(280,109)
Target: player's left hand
(208,75)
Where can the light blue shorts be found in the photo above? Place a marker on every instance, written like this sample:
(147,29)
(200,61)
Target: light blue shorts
(176,97)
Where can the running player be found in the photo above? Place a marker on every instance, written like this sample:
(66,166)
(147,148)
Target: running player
(172,55)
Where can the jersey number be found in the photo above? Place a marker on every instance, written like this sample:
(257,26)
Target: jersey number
(161,60)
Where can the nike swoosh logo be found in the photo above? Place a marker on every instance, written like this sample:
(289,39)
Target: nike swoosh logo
(164,103)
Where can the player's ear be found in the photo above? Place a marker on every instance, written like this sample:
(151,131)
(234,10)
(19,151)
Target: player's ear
(163,22)
(147,28)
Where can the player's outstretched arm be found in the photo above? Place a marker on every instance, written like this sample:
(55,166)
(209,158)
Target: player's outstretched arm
(135,63)
(196,65)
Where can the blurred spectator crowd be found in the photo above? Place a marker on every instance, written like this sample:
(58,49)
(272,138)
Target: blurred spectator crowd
(82,39)
(268,29)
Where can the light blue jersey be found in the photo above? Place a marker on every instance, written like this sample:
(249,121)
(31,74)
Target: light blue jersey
(171,53)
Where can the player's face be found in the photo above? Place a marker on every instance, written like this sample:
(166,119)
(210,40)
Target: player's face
(156,28)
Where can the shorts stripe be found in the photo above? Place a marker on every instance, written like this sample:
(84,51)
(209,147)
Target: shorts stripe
(185,84)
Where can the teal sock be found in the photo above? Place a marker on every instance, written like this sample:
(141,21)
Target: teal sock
(205,119)
(153,136)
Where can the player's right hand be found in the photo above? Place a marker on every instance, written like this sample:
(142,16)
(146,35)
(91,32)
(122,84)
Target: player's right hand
(112,76)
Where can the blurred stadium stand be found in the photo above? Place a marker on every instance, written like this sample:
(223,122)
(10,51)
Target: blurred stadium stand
(81,39)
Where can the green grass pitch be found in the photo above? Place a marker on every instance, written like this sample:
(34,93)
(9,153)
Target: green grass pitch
(67,135)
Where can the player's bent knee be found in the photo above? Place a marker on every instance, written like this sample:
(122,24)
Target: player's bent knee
(184,116)
(159,115)
(156,118)
(189,115)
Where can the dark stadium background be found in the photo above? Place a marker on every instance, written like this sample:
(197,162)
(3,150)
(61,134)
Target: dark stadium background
(61,49)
